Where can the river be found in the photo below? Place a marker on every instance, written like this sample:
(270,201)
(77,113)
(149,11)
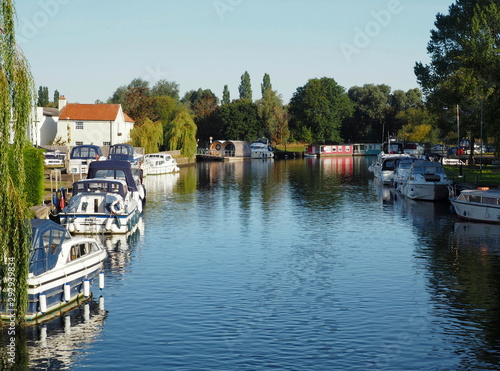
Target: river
(303,264)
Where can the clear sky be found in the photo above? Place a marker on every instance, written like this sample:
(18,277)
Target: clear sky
(86,49)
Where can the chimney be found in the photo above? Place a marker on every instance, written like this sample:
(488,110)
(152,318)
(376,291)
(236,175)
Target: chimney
(62,102)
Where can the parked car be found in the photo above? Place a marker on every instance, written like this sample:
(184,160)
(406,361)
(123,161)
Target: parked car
(54,158)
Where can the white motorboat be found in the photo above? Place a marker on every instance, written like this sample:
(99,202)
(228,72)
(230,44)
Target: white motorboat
(100,206)
(383,168)
(426,181)
(261,149)
(482,204)
(132,175)
(81,156)
(159,163)
(402,171)
(62,270)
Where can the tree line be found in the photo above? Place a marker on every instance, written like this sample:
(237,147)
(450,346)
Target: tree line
(458,97)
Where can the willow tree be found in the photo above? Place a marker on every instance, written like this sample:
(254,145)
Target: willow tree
(17,97)
(148,136)
(181,134)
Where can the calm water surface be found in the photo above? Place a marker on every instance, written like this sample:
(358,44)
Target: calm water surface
(303,264)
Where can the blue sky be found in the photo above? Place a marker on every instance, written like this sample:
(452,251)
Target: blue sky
(86,49)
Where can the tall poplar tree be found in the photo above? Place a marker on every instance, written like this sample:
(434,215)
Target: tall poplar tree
(245,88)
(226,97)
(17,98)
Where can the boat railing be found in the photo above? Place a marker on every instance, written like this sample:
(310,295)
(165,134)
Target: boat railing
(215,153)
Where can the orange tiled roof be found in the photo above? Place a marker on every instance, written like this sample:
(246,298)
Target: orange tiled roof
(127,118)
(90,112)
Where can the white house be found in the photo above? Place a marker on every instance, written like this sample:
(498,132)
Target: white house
(99,124)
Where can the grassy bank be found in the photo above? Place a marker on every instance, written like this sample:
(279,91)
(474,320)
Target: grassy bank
(487,176)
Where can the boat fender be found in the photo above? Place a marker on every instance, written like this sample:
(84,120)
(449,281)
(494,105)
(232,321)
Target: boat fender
(86,288)
(117,206)
(43,303)
(71,227)
(67,292)
(109,222)
(101,280)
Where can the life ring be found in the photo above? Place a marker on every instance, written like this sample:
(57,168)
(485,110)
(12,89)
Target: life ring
(117,210)
(483,188)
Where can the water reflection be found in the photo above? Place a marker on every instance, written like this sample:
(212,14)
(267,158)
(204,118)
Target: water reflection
(60,342)
(121,249)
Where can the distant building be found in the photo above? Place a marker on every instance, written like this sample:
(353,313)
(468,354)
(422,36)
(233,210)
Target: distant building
(99,124)
(76,124)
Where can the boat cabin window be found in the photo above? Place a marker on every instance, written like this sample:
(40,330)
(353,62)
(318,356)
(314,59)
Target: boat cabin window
(79,250)
(490,200)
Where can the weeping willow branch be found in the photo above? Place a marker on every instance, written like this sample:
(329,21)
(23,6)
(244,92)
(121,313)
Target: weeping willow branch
(17,98)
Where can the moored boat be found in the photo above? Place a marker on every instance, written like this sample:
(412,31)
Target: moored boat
(132,175)
(261,149)
(426,181)
(159,163)
(100,206)
(482,204)
(61,270)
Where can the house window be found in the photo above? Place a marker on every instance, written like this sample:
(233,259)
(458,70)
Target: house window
(79,125)
(78,143)
(106,143)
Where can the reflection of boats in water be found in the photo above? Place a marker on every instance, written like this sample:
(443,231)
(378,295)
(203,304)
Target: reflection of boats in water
(162,182)
(483,236)
(58,343)
(120,248)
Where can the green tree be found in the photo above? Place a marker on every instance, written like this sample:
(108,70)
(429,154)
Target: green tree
(417,126)
(164,88)
(320,106)
(181,134)
(370,108)
(56,98)
(245,88)
(43,96)
(226,97)
(206,111)
(266,84)
(240,121)
(465,64)
(138,104)
(17,98)
(148,136)
(274,117)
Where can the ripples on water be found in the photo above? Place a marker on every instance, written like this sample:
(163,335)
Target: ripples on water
(294,265)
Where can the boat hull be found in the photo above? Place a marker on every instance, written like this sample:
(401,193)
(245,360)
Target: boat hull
(476,212)
(425,192)
(52,283)
(100,223)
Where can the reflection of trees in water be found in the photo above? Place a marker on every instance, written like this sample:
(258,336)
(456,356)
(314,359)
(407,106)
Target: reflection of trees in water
(463,262)
(56,344)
